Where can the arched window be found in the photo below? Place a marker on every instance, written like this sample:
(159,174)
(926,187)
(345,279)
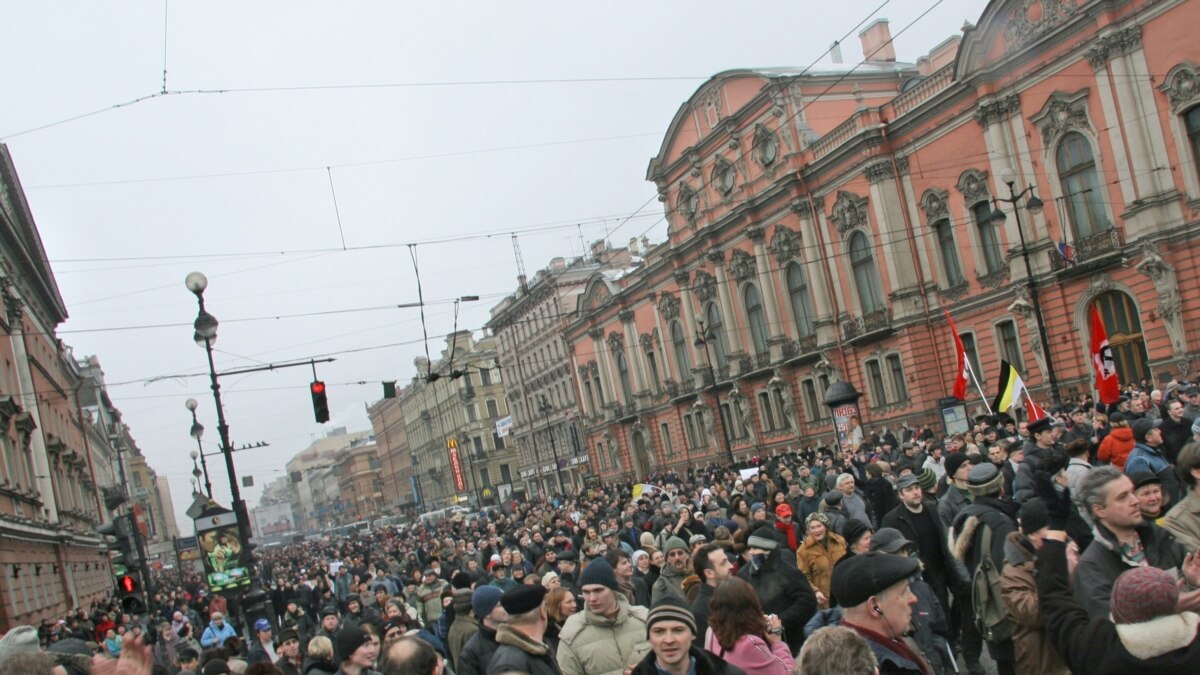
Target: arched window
(623,376)
(800,299)
(755,318)
(1124,328)
(866,275)
(989,237)
(1191,122)
(680,346)
(1081,186)
(949,252)
(716,334)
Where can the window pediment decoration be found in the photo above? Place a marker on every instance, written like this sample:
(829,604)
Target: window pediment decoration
(647,341)
(741,264)
(974,186)
(1062,113)
(616,341)
(706,286)
(1182,86)
(849,211)
(766,145)
(688,203)
(668,306)
(724,176)
(934,203)
(785,244)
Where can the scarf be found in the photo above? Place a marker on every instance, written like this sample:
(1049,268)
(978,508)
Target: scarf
(627,588)
(790,531)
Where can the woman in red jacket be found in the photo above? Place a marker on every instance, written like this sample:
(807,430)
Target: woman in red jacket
(1117,445)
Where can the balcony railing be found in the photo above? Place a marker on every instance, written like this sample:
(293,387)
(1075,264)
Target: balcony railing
(858,326)
(923,91)
(1088,248)
(762,359)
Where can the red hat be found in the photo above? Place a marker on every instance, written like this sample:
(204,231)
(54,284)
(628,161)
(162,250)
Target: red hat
(783,510)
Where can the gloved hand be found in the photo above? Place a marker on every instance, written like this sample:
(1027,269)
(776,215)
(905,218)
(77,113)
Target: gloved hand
(1057,497)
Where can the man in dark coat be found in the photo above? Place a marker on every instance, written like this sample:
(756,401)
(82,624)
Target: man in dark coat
(521,640)
(990,510)
(1118,523)
(782,589)
(880,492)
(477,653)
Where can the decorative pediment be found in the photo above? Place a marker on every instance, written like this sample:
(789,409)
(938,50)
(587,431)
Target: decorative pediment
(616,341)
(668,306)
(934,203)
(741,265)
(1182,86)
(1030,19)
(1114,44)
(705,285)
(849,211)
(785,244)
(646,340)
(974,186)
(596,295)
(1062,113)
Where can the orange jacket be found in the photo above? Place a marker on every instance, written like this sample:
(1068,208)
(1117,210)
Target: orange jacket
(1116,446)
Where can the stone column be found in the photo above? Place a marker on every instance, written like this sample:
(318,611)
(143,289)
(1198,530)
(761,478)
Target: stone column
(28,396)
(607,382)
(766,289)
(682,277)
(633,354)
(733,336)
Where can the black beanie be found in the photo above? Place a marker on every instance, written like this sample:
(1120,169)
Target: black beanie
(348,640)
(1033,516)
(599,572)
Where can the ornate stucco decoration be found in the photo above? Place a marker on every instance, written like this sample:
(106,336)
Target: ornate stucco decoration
(1030,19)
(1182,86)
(766,145)
(849,211)
(741,264)
(973,185)
(879,171)
(789,414)
(616,341)
(934,203)
(997,110)
(1062,113)
(740,406)
(668,306)
(688,203)
(785,244)
(706,286)
(824,366)
(724,176)
(1170,302)
(646,340)
(1113,45)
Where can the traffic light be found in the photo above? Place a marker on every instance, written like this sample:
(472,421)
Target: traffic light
(125,564)
(320,403)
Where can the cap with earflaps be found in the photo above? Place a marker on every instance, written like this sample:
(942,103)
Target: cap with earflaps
(859,577)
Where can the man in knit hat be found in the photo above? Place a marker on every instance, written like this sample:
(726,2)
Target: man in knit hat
(477,653)
(990,513)
(670,580)
(671,629)
(956,496)
(609,635)
(522,648)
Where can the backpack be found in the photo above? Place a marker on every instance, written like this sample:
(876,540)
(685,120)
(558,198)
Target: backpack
(992,619)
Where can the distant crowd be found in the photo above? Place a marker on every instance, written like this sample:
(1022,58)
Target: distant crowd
(1061,544)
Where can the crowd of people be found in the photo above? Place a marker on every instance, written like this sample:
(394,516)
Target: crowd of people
(1061,544)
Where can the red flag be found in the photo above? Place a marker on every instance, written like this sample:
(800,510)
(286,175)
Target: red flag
(1102,359)
(960,374)
(1035,411)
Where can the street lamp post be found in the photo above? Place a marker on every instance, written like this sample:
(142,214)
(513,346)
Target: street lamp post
(197,431)
(703,338)
(206,333)
(1034,205)
(544,408)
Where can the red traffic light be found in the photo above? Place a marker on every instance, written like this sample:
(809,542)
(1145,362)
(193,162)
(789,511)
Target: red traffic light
(318,387)
(127,584)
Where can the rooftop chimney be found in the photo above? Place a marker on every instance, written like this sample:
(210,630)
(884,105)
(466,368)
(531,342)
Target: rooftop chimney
(877,42)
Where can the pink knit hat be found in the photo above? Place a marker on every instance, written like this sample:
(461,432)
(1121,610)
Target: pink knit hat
(1142,594)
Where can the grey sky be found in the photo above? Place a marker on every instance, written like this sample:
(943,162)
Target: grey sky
(129,200)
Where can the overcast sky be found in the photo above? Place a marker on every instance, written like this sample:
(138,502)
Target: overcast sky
(437,120)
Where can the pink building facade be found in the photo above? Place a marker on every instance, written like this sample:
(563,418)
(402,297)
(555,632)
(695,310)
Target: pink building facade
(822,223)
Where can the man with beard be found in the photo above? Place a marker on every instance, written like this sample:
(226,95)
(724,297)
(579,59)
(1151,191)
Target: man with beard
(670,580)
(782,589)
(712,565)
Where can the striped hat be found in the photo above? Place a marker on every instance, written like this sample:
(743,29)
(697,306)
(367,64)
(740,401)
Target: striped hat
(670,608)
